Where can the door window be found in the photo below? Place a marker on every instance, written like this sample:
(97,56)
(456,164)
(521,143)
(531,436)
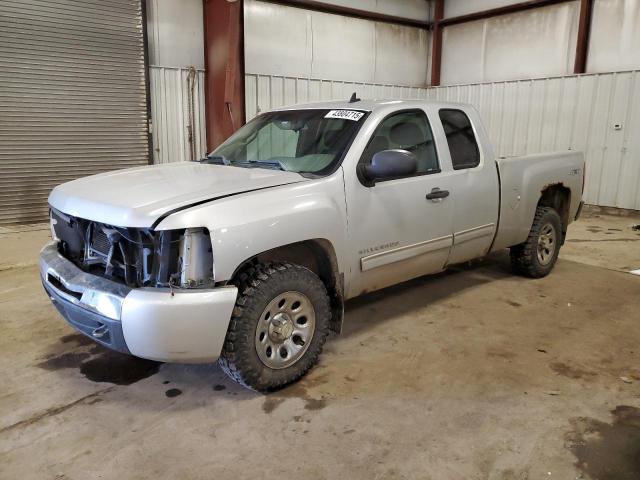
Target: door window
(460,138)
(407,131)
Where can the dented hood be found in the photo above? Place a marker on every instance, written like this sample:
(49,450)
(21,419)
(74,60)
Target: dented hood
(137,197)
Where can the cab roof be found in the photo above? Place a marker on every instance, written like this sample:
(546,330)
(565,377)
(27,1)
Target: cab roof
(369,105)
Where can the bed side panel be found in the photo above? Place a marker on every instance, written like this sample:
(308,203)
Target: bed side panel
(522,181)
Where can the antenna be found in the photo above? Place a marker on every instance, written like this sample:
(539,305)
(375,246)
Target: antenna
(354,98)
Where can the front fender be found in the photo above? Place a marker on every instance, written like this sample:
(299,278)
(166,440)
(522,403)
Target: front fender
(245,225)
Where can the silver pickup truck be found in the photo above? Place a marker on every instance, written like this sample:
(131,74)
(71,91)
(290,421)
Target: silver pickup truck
(248,255)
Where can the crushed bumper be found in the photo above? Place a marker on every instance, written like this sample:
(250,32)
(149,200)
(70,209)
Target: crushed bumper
(186,326)
(101,329)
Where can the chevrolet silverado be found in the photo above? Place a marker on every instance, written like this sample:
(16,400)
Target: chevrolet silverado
(248,255)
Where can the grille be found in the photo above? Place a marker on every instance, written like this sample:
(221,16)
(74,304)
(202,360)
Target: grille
(99,242)
(136,258)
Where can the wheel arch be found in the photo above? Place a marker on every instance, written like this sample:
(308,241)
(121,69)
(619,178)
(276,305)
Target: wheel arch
(319,256)
(558,197)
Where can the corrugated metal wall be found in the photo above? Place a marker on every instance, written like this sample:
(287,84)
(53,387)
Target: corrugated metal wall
(177,112)
(596,113)
(72,97)
(176,48)
(264,92)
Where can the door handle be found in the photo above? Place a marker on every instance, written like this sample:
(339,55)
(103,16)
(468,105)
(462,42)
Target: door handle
(437,193)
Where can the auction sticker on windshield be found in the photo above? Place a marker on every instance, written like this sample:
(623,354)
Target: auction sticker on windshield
(346,114)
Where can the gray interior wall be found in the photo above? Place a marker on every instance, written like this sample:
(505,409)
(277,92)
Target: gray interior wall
(598,114)
(456,8)
(537,43)
(516,69)
(615,36)
(175,33)
(410,9)
(281,40)
(529,44)
(176,79)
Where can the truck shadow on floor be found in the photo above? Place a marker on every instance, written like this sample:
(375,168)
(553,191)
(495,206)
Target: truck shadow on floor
(99,364)
(389,303)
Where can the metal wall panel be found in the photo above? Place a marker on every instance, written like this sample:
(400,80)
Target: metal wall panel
(175,29)
(615,36)
(529,44)
(264,92)
(455,8)
(178,114)
(291,41)
(411,9)
(176,79)
(72,97)
(595,113)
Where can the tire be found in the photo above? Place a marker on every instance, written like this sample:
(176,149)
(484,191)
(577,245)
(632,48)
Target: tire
(263,328)
(538,254)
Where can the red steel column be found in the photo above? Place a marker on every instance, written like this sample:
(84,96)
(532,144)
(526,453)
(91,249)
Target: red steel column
(224,69)
(436,43)
(584,30)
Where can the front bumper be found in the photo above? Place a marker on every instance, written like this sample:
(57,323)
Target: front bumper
(186,326)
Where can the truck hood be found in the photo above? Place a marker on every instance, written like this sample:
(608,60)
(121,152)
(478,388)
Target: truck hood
(138,197)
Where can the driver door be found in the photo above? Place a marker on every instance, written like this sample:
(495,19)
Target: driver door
(398,229)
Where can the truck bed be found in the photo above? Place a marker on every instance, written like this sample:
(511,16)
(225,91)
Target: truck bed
(523,179)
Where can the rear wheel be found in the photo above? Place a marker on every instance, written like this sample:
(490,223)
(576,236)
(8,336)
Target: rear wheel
(278,327)
(538,254)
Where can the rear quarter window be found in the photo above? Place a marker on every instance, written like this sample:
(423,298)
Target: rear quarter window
(460,138)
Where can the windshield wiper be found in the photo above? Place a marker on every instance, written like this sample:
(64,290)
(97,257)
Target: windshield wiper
(216,159)
(258,163)
(222,160)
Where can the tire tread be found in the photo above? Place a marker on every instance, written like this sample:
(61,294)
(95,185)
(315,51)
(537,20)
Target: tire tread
(524,256)
(235,359)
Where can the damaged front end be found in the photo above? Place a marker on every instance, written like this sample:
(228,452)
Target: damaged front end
(136,257)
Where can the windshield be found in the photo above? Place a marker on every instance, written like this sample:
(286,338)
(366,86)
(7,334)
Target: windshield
(303,141)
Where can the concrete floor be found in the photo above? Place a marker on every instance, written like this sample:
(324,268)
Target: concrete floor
(472,374)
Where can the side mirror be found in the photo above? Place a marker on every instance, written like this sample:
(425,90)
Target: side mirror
(389,164)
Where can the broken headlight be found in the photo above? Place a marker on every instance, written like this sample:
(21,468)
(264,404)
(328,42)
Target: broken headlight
(195,259)
(52,225)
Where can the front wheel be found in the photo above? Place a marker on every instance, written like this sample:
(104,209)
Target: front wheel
(538,254)
(278,326)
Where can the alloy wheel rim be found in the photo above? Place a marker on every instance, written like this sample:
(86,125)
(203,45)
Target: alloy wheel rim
(546,244)
(285,330)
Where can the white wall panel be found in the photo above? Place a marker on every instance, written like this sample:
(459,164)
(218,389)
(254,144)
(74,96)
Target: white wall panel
(344,48)
(455,8)
(615,36)
(402,55)
(289,41)
(175,32)
(410,9)
(265,92)
(463,48)
(170,112)
(533,43)
(278,40)
(595,113)
(176,45)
